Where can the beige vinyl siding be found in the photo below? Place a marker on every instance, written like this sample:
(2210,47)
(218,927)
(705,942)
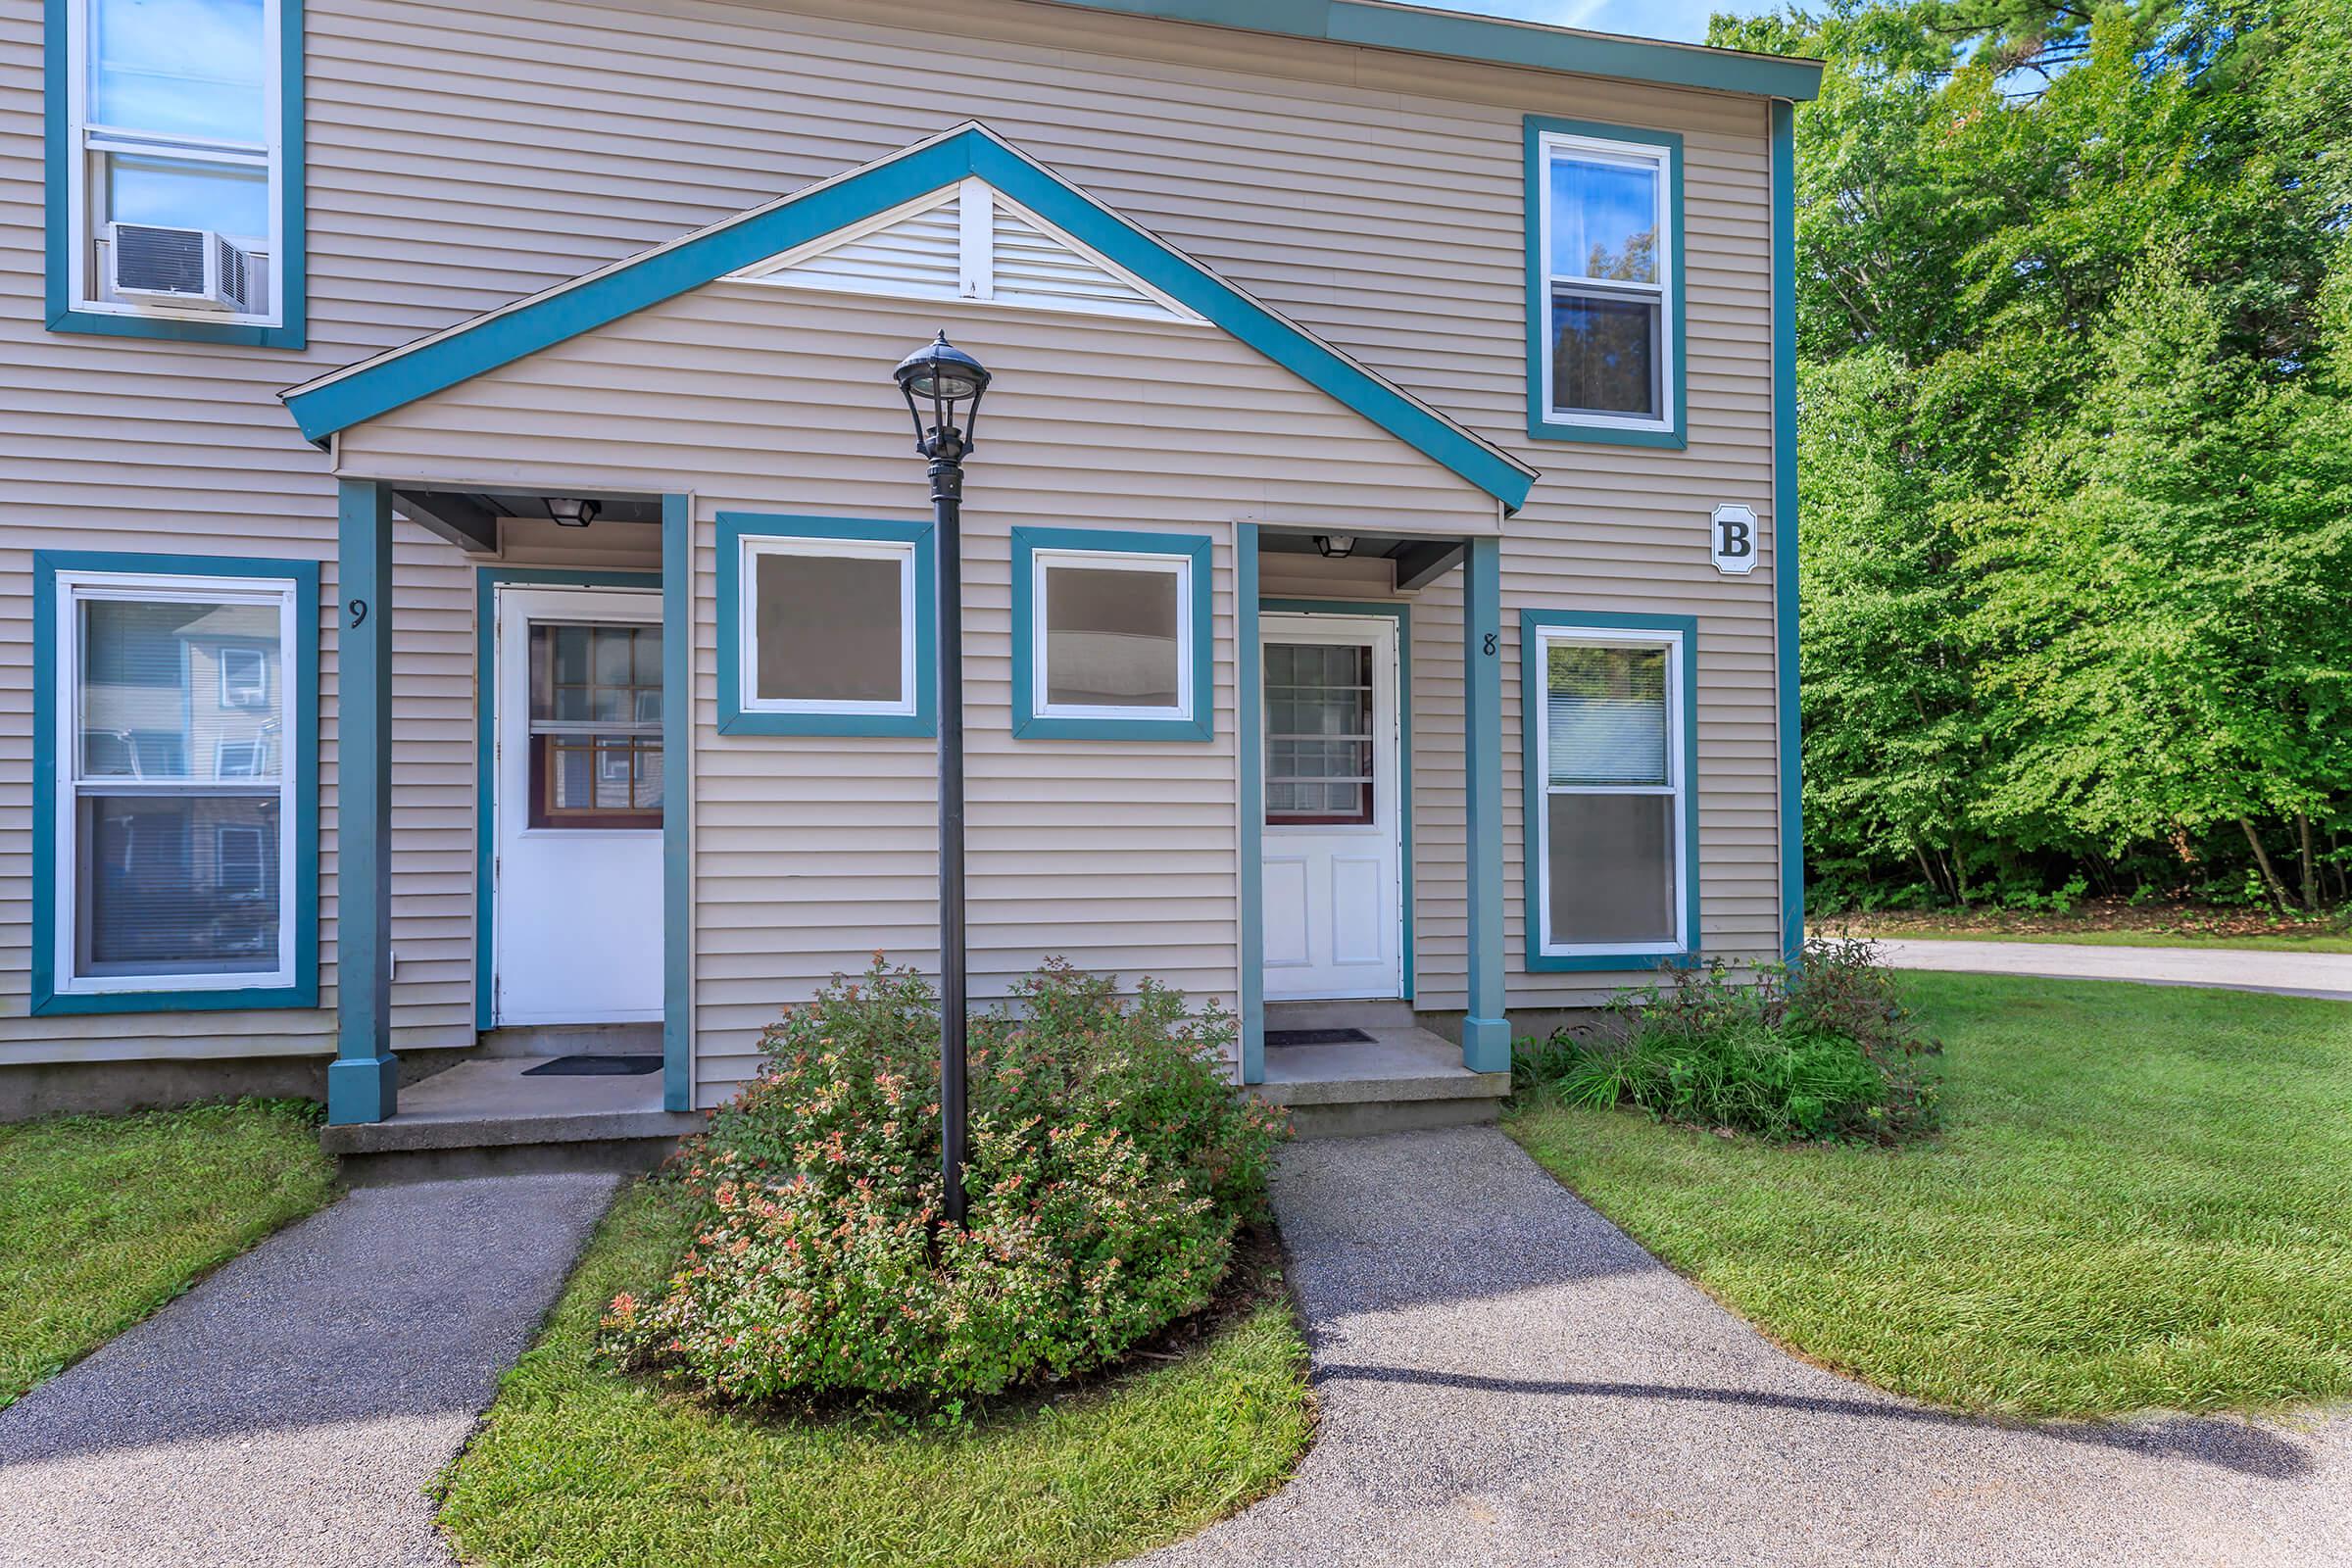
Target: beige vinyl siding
(811,854)
(1373,196)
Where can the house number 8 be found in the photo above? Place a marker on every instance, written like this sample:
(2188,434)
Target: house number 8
(359,610)
(1489,647)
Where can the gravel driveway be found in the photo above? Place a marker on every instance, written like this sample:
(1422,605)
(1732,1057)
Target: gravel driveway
(2292,974)
(291,1409)
(1505,1379)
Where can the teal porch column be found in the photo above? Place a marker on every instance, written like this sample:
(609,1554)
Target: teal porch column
(1249,673)
(363,1083)
(1486,1032)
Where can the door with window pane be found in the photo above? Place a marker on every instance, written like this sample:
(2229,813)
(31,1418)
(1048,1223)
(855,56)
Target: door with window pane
(1333,865)
(579,782)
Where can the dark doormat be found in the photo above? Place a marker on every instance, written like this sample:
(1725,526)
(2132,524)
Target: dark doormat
(629,1066)
(1317,1037)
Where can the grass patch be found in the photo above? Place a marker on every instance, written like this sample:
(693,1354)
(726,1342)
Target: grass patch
(579,1466)
(2276,942)
(2140,1201)
(105,1218)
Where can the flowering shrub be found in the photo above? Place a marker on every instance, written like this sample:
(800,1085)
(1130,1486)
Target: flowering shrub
(1110,1163)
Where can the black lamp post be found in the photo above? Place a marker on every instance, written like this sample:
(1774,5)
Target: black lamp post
(937,379)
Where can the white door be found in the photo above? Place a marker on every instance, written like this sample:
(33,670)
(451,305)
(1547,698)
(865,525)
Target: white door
(578,797)
(1334,923)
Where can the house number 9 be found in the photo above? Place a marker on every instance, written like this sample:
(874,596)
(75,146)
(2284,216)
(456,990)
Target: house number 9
(359,610)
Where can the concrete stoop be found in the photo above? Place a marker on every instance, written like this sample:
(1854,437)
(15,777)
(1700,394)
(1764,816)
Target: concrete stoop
(486,1118)
(1404,1080)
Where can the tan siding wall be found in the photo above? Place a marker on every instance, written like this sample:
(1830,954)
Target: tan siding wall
(811,854)
(461,156)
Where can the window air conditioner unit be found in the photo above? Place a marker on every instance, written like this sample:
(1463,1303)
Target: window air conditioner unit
(185,266)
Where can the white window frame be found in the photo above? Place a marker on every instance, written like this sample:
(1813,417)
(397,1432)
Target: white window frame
(1041,629)
(256,749)
(1551,145)
(260,688)
(222,832)
(1675,789)
(89,141)
(903,553)
(74,589)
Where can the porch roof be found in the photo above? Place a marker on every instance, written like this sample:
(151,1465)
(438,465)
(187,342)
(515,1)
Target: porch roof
(376,386)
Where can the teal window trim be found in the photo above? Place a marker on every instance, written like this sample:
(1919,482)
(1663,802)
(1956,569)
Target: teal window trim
(1785,573)
(303,926)
(1029,724)
(738,528)
(1544,423)
(487,581)
(365,391)
(289,272)
(1532,624)
(1403,615)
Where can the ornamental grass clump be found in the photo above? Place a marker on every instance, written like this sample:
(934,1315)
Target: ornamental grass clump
(1109,1168)
(1823,1049)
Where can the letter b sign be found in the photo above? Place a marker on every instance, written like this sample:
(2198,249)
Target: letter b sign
(1733,540)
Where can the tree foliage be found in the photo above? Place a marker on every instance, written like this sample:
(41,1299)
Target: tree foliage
(2075,429)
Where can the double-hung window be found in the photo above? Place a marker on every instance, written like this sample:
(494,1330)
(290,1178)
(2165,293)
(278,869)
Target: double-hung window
(1610,823)
(175,720)
(1604,299)
(173,190)
(1110,635)
(825,627)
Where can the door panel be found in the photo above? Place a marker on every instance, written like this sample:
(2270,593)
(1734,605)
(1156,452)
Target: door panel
(1333,873)
(576,790)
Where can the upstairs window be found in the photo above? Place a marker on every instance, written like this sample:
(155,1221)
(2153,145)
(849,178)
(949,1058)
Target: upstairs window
(1605,293)
(179,156)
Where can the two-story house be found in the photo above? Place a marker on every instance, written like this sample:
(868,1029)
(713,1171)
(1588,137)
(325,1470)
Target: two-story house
(465,571)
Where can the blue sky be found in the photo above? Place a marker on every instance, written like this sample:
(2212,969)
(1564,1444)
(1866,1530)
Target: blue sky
(1681,20)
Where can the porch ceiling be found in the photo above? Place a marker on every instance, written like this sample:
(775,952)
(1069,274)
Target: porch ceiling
(470,518)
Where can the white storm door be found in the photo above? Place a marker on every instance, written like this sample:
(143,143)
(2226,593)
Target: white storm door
(576,793)
(1333,919)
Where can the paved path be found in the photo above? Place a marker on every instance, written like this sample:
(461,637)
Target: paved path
(290,1408)
(1506,1380)
(2293,974)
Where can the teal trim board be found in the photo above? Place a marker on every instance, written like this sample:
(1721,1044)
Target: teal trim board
(1248,709)
(735,529)
(1491,39)
(1542,424)
(1785,499)
(1532,705)
(677,845)
(1486,1025)
(303,692)
(487,580)
(434,364)
(1027,723)
(1403,615)
(363,1082)
(288,270)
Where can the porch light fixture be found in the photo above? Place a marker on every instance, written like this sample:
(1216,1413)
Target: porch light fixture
(937,380)
(571,512)
(1335,546)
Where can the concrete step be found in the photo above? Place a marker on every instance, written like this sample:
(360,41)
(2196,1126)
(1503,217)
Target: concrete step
(1366,1016)
(571,1040)
(485,1117)
(1404,1080)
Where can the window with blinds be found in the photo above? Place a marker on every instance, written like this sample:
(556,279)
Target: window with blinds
(1612,855)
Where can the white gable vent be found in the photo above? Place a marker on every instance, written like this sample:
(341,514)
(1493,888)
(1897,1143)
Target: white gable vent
(966,243)
(184,266)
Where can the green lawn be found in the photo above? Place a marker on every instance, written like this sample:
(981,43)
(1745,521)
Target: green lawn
(2283,942)
(2142,1197)
(105,1218)
(578,1467)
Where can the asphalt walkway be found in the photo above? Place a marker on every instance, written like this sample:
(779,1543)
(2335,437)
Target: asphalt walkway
(2292,974)
(291,1409)
(1505,1379)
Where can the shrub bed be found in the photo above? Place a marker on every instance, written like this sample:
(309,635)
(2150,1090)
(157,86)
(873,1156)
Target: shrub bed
(1820,1050)
(1109,1167)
